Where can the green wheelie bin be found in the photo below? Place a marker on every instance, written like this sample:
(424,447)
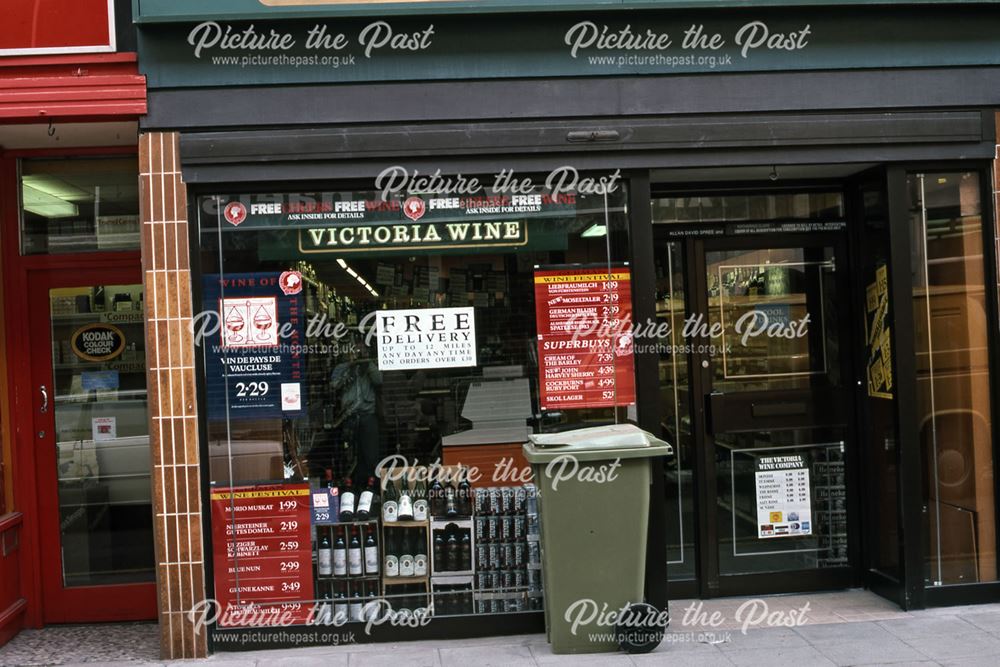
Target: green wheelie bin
(593,487)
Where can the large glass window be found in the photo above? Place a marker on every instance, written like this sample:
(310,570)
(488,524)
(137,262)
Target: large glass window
(435,332)
(79,205)
(953,413)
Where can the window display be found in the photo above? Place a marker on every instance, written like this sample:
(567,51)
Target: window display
(372,369)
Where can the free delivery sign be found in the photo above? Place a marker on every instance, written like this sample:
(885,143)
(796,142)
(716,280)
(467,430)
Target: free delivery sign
(426,338)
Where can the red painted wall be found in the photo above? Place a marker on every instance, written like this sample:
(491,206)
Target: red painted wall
(41,24)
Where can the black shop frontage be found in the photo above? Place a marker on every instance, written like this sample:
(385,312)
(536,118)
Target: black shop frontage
(780,223)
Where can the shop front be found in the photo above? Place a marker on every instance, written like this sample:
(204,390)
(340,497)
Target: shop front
(76,542)
(367,286)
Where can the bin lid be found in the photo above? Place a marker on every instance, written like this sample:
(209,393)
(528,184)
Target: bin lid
(614,441)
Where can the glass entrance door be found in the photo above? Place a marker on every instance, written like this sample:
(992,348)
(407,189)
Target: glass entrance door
(92,439)
(777,412)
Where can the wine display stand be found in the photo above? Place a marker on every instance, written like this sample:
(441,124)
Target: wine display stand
(398,587)
(328,583)
(441,524)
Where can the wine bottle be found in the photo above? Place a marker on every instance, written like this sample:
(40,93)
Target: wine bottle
(340,605)
(405,502)
(420,555)
(356,604)
(324,556)
(406,556)
(346,501)
(451,548)
(464,499)
(450,505)
(391,556)
(371,551)
(339,555)
(327,480)
(436,497)
(325,612)
(371,608)
(420,501)
(465,551)
(390,503)
(366,501)
(354,567)
(439,563)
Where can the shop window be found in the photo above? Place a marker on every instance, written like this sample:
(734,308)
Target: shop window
(79,205)
(953,414)
(354,345)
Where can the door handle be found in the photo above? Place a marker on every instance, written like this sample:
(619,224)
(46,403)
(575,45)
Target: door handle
(45,398)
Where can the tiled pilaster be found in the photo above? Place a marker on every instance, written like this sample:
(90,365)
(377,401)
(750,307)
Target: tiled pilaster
(173,412)
(996,196)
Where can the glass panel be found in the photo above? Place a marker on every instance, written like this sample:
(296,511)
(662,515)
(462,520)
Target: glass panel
(675,412)
(788,207)
(781,494)
(881,446)
(782,501)
(102,434)
(79,205)
(773,314)
(953,385)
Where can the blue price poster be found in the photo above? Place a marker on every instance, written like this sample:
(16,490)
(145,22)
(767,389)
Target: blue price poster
(325,506)
(253,357)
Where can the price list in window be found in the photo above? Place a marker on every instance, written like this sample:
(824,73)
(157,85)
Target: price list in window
(784,502)
(584,325)
(262,551)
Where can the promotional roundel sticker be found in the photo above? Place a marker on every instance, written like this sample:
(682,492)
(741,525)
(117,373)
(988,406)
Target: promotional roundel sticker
(235,213)
(290,282)
(414,208)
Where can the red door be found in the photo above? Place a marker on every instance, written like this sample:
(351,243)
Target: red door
(91,440)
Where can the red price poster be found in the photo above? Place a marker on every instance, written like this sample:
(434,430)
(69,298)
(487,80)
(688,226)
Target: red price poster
(584,319)
(262,550)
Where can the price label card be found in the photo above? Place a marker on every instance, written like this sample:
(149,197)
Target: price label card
(784,502)
(325,506)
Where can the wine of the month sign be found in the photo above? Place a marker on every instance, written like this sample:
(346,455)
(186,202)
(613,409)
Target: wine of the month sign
(254,364)
(584,320)
(426,338)
(262,551)
(784,502)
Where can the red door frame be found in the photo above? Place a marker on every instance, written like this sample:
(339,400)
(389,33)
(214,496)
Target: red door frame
(18,272)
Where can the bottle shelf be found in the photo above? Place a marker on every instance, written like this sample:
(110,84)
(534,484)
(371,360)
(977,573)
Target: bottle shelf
(348,577)
(397,581)
(405,524)
(456,578)
(463,522)
(366,522)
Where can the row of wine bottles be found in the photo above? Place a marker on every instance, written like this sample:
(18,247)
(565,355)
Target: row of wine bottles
(352,556)
(405,504)
(354,506)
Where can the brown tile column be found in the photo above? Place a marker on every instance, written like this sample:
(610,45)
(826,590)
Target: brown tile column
(173,416)
(996,202)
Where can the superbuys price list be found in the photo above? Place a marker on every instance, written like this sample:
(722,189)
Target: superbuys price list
(262,549)
(584,321)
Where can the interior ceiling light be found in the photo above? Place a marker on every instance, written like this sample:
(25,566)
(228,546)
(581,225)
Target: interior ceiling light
(47,204)
(594,231)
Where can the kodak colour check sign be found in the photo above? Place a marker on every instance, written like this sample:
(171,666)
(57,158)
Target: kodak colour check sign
(426,338)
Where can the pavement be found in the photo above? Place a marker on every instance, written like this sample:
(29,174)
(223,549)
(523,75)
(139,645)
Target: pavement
(840,628)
